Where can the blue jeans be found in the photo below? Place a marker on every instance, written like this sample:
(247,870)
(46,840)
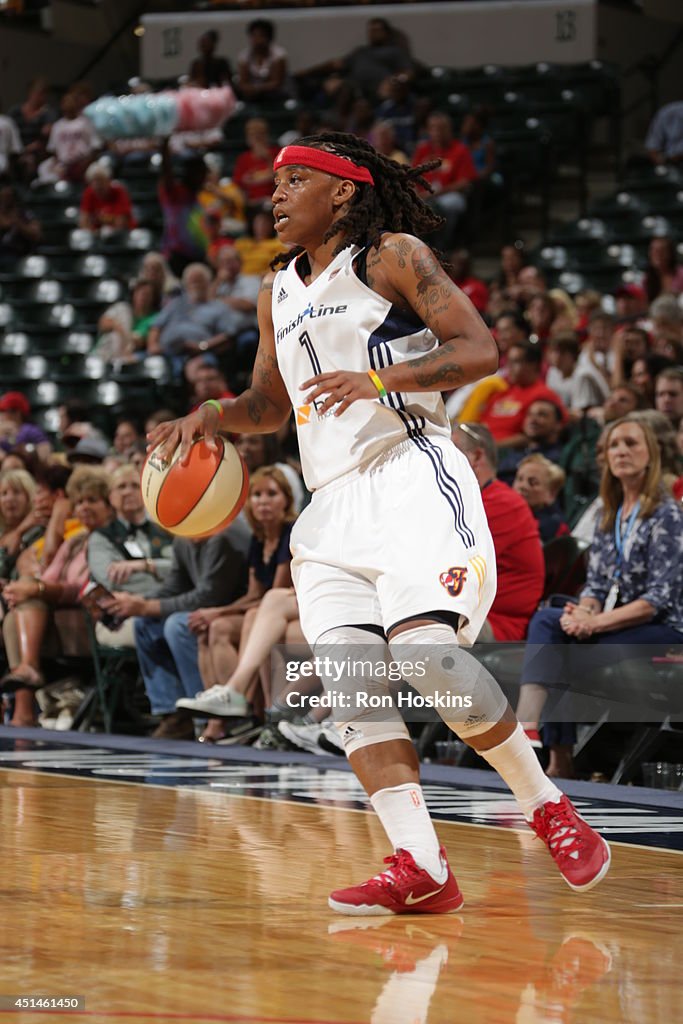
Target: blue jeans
(168,656)
(552,659)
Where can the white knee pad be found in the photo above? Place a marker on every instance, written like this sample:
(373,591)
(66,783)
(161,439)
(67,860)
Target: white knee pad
(354,670)
(454,683)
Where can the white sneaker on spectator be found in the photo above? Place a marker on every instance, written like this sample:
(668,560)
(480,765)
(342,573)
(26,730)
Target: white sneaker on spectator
(217,701)
(305,737)
(330,739)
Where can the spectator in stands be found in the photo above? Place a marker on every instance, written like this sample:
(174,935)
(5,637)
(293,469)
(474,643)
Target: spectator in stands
(204,573)
(474,288)
(661,427)
(33,118)
(383,138)
(473,133)
(208,382)
(105,203)
(154,268)
(669,347)
(184,239)
(16,427)
(668,394)
(679,438)
(540,314)
(73,142)
(207,70)
(663,274)
(220,197)
(126,435)
(89,451)
(368,70)
(627,345)
(539,481)
(504,413)
(17,492)
(130,553)
(664,140)
(562,355)
(191,324)
(542,427)
(504,285)
(32,602)
(632,595)
(644,373)
(593,370)
(124,327)
(622,400)
(667,320)
(519,555)
(588,301)
(52,513)
(261,246)
(451,182)
(10,146)
(74,423)
(237,290)
(223,629)
(399,110)
(20,232)
(262,66)
(260,450)
(253,172)
(510,328)
(630,303)
(530,281)
(566,315)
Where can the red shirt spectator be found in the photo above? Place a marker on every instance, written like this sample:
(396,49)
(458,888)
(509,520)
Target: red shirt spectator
(253,172)
(519,560)
(504,412)
(456,163)
(105,203)
(519,556)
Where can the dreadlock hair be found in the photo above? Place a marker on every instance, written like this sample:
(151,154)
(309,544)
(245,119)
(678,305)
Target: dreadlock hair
(391,204)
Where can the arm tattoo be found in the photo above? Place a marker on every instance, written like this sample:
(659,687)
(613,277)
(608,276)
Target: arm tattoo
(438,368)
(433,288)
(256,406)
(263,370)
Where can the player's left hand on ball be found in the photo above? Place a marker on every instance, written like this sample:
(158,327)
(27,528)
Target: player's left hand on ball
(340,388)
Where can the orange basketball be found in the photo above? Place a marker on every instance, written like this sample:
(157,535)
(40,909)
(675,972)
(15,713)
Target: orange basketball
(200,498)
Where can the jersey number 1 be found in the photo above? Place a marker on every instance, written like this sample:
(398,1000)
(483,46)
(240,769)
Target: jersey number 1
(305,340)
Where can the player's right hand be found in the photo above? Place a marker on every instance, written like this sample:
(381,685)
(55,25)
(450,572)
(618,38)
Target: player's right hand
(203,422)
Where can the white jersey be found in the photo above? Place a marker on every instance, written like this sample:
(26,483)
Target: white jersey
(338,323)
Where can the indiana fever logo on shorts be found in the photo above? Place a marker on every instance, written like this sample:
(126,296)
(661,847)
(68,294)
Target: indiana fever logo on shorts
(454,579)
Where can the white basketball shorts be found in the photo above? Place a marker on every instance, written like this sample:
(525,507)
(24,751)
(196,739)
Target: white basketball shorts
(391,541)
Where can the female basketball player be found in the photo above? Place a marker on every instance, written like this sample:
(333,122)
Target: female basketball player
(361,330)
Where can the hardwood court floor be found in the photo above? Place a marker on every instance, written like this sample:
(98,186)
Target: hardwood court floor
(179,905)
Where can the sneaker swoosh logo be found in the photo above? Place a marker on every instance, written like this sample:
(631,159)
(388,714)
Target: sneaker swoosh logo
(412,900)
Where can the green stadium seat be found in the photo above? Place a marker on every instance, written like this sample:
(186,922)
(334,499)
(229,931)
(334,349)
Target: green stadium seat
(33,266)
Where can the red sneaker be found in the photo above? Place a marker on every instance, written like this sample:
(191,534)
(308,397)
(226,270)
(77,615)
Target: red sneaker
(534,738)
(581,854)
(403,888)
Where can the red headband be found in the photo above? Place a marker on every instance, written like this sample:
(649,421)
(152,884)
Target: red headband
(321,160)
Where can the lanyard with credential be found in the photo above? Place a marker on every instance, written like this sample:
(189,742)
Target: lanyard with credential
(619,541)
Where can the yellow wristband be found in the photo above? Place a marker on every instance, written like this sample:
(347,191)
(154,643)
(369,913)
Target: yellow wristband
(215,404)
(378,383)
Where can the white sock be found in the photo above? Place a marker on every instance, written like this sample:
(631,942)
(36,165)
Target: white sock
(404,815)
(516,763)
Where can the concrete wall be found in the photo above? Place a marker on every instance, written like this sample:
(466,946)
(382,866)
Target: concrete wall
(453,34)
(626,38)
